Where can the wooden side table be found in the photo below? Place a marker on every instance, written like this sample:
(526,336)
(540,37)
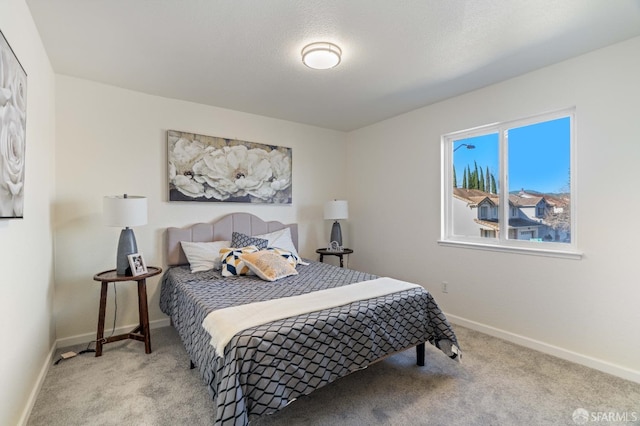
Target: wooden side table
(141,332)
(326,252)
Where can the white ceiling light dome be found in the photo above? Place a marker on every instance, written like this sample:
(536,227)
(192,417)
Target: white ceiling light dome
(321,55)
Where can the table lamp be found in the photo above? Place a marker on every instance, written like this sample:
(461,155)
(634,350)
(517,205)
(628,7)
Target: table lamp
(125,211)
(336,210)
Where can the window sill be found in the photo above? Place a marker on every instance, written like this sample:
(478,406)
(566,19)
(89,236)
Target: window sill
(564,254)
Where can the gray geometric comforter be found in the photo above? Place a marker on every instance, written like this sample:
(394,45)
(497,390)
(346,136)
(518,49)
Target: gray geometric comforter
(266,367)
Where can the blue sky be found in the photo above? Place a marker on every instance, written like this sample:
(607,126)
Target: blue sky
(538,156)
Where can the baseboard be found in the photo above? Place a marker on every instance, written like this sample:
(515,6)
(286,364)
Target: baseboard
(38,385)
(597,364)
(70,341)
(88,337)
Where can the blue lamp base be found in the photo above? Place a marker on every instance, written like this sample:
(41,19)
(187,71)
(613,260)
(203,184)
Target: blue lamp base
(336,233)
(126,246)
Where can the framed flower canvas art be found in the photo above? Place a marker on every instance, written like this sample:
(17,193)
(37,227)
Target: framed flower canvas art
(13,125)
(213,169)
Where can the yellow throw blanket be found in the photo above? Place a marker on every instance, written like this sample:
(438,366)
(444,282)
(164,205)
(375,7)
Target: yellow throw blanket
(223,324)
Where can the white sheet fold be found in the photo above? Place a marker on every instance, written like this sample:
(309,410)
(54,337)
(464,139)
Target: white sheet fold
(223,324)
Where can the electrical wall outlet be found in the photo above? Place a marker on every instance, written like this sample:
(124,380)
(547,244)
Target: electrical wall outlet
(445,287)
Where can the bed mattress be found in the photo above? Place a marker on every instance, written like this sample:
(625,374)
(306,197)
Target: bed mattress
(266,367)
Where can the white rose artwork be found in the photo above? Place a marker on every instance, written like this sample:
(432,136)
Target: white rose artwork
(207,168)
(13,116)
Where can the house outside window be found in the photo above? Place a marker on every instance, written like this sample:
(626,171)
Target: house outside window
(511,186)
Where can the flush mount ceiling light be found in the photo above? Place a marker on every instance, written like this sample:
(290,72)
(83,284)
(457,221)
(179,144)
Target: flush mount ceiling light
(321,55)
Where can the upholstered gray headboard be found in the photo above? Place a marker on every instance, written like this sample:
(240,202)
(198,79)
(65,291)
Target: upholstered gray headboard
(221,229)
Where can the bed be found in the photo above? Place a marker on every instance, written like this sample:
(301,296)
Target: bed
(264,367)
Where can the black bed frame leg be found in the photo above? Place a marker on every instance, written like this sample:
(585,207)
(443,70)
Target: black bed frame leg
(420,354)
(191,365)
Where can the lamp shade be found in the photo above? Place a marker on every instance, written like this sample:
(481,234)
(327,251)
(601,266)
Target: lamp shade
(125,211)
(336,209)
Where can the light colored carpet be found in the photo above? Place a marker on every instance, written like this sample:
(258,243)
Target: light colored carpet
(497,383)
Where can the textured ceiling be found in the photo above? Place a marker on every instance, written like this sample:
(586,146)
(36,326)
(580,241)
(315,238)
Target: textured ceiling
(398,55)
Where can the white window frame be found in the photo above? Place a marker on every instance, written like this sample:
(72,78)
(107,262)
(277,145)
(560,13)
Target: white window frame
(503,243)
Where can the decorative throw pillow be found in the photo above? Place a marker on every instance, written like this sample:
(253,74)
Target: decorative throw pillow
(281,239)
(285,254)
(268,265)
(204,256)
(232,264)
(241,240)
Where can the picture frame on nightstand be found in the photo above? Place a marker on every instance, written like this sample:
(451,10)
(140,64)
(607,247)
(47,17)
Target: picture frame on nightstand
(137,263)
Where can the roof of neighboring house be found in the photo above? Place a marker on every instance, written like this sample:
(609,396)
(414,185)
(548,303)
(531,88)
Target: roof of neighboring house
(554,200)
(474,197)
(558,200)
(513,223)
(519,201)
(491,224)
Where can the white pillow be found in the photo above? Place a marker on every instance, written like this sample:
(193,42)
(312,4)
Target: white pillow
(280,239)
(204,256)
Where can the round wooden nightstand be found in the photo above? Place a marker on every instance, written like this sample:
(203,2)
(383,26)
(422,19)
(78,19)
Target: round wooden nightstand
(326,252)
(141,332)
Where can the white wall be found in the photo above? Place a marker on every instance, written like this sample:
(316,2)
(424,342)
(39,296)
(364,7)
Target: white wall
(586,310)
(111,141)
(26,252)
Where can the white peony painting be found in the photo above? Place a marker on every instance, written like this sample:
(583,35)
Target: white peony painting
(13,118)
(207,168)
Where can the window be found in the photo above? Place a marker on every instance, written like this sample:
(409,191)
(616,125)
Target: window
(487,233)
(484,212)
(510,186)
